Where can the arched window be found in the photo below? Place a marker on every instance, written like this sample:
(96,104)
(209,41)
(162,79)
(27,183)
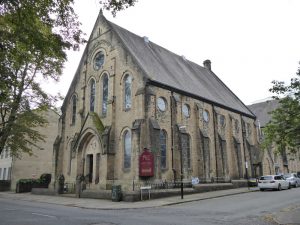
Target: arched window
(188,152)
(74,105)
(92,95)
(127,150)
(127,91)
(104,93)
(186,148)
(163,149)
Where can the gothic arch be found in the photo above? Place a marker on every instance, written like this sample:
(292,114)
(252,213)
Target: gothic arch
(89,145)
(101,45)
(129,72)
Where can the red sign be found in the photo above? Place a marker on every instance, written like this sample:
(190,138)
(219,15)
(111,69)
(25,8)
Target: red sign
(146,164)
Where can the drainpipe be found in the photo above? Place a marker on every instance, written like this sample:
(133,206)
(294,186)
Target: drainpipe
(215,134)
(172,134)
(244,146)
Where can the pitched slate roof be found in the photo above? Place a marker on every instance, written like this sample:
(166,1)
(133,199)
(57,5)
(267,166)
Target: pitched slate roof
(262,110)
(166,68)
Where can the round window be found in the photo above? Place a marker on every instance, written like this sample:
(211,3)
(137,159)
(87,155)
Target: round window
(161,104)
(98,60)
(205,115)
(186,110)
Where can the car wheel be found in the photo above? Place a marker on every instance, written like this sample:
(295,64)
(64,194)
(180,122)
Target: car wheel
(261,189)
(296,184)
(290,186)
(279,187)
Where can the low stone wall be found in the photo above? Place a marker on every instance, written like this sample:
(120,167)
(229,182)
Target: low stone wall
(42,191)
(133,196)
(239,183)
(97,194)
(212,187)
(4,185)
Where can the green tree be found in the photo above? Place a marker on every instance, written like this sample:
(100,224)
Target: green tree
(117,5)
(284,128)
(35,35)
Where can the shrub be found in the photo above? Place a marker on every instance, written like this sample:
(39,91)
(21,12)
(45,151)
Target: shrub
(25,185)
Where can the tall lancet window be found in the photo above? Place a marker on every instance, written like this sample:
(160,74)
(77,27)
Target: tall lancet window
(74,106)
(127,92)
(163,149)
(92,95)
(104,93)
(127,150)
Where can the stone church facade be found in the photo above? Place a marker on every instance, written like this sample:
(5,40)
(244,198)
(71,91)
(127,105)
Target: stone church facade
(129,94)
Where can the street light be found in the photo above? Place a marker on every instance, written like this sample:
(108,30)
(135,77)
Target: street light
(181,166)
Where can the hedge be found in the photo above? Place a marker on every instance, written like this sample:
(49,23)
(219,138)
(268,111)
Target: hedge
(25,185)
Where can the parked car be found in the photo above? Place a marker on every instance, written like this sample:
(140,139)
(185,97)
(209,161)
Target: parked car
(293,179)
(274,182)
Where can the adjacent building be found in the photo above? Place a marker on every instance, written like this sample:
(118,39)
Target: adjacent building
(130,96)
(31,166)
(5,165)
(274,162)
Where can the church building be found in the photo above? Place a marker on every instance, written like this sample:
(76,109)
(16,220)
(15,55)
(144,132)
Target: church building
(137,113)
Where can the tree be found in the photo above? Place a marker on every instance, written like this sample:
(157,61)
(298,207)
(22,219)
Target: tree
(284,128)
(117,5)
(35,35)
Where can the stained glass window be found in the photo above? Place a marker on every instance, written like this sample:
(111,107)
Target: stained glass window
(92,95)
(127,94)
(163,149)
(104,93)
(127,150)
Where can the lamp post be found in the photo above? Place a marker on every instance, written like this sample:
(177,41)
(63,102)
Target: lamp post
(181,174)
(247,176)
(181,166)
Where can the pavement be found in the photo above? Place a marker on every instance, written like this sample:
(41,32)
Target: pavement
(285,216)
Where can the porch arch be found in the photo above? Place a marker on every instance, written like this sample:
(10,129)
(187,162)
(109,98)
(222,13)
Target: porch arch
(88,155)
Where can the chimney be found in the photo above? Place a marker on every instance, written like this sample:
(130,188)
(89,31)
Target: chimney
(146,39)
(207,64)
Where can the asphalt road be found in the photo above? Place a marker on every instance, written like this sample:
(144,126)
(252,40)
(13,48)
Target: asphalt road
(250,208)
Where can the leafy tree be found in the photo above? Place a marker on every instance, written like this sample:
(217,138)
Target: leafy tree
(284,128)
(117,5)
(35,35)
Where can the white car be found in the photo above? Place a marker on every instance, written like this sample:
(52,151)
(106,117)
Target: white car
(274,182)
(293,179)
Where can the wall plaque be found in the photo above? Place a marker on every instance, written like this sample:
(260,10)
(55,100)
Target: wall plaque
(146,161)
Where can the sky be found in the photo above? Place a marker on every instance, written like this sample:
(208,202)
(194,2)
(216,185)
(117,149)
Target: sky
(249,42)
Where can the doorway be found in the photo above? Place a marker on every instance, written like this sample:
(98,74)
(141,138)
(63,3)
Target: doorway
(90,167)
